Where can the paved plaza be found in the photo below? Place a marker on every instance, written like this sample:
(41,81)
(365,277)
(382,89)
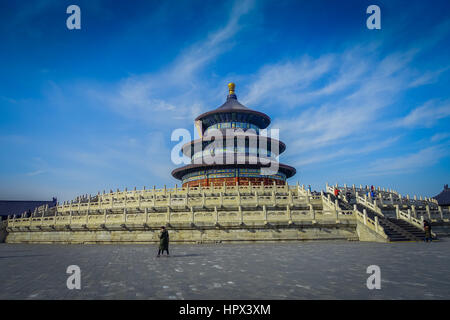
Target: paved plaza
(297,270)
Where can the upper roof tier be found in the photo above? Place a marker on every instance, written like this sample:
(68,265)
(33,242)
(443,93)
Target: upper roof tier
(233,111)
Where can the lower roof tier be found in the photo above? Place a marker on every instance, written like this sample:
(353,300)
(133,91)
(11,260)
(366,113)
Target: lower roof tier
(231,170)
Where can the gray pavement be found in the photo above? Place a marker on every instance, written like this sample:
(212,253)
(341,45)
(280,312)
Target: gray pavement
(300,270)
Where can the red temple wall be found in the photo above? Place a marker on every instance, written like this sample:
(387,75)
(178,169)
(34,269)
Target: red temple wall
(232,181)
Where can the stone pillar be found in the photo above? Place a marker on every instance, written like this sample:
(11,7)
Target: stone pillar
(265,213)
(397,211)
(441,213)
(376,223)
(365,216)
(414,212)
(291,201)
(256,198)
(313,213)
(168,215)
(192,215)
(241,214)
(203,199)
(146,215)
(216,214)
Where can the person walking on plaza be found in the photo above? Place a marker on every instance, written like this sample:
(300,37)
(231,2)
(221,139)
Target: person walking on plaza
(163,241)
(427,229)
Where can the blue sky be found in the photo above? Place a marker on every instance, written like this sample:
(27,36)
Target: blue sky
(93,109)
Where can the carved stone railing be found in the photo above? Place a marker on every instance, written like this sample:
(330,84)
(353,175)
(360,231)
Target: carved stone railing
(412,220)
(369,204)
(147,218)
(373,225)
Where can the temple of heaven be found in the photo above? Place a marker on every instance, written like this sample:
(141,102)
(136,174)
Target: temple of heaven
(233,149)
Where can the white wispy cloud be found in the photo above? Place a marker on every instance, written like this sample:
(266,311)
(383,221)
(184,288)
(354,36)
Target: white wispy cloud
(408,163)
(440,136)
(176,91)
(348,152)
(427,114)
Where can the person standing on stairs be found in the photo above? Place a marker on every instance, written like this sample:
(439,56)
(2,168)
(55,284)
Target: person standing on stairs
(427,229)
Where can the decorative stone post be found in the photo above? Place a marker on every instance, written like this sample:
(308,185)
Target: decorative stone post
(146,215)
(168,215)
(313,213)
(288,211)
(241,214)
(216,214)
(203,199)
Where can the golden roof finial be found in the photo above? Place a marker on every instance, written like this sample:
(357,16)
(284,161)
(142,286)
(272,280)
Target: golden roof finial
(231,87)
